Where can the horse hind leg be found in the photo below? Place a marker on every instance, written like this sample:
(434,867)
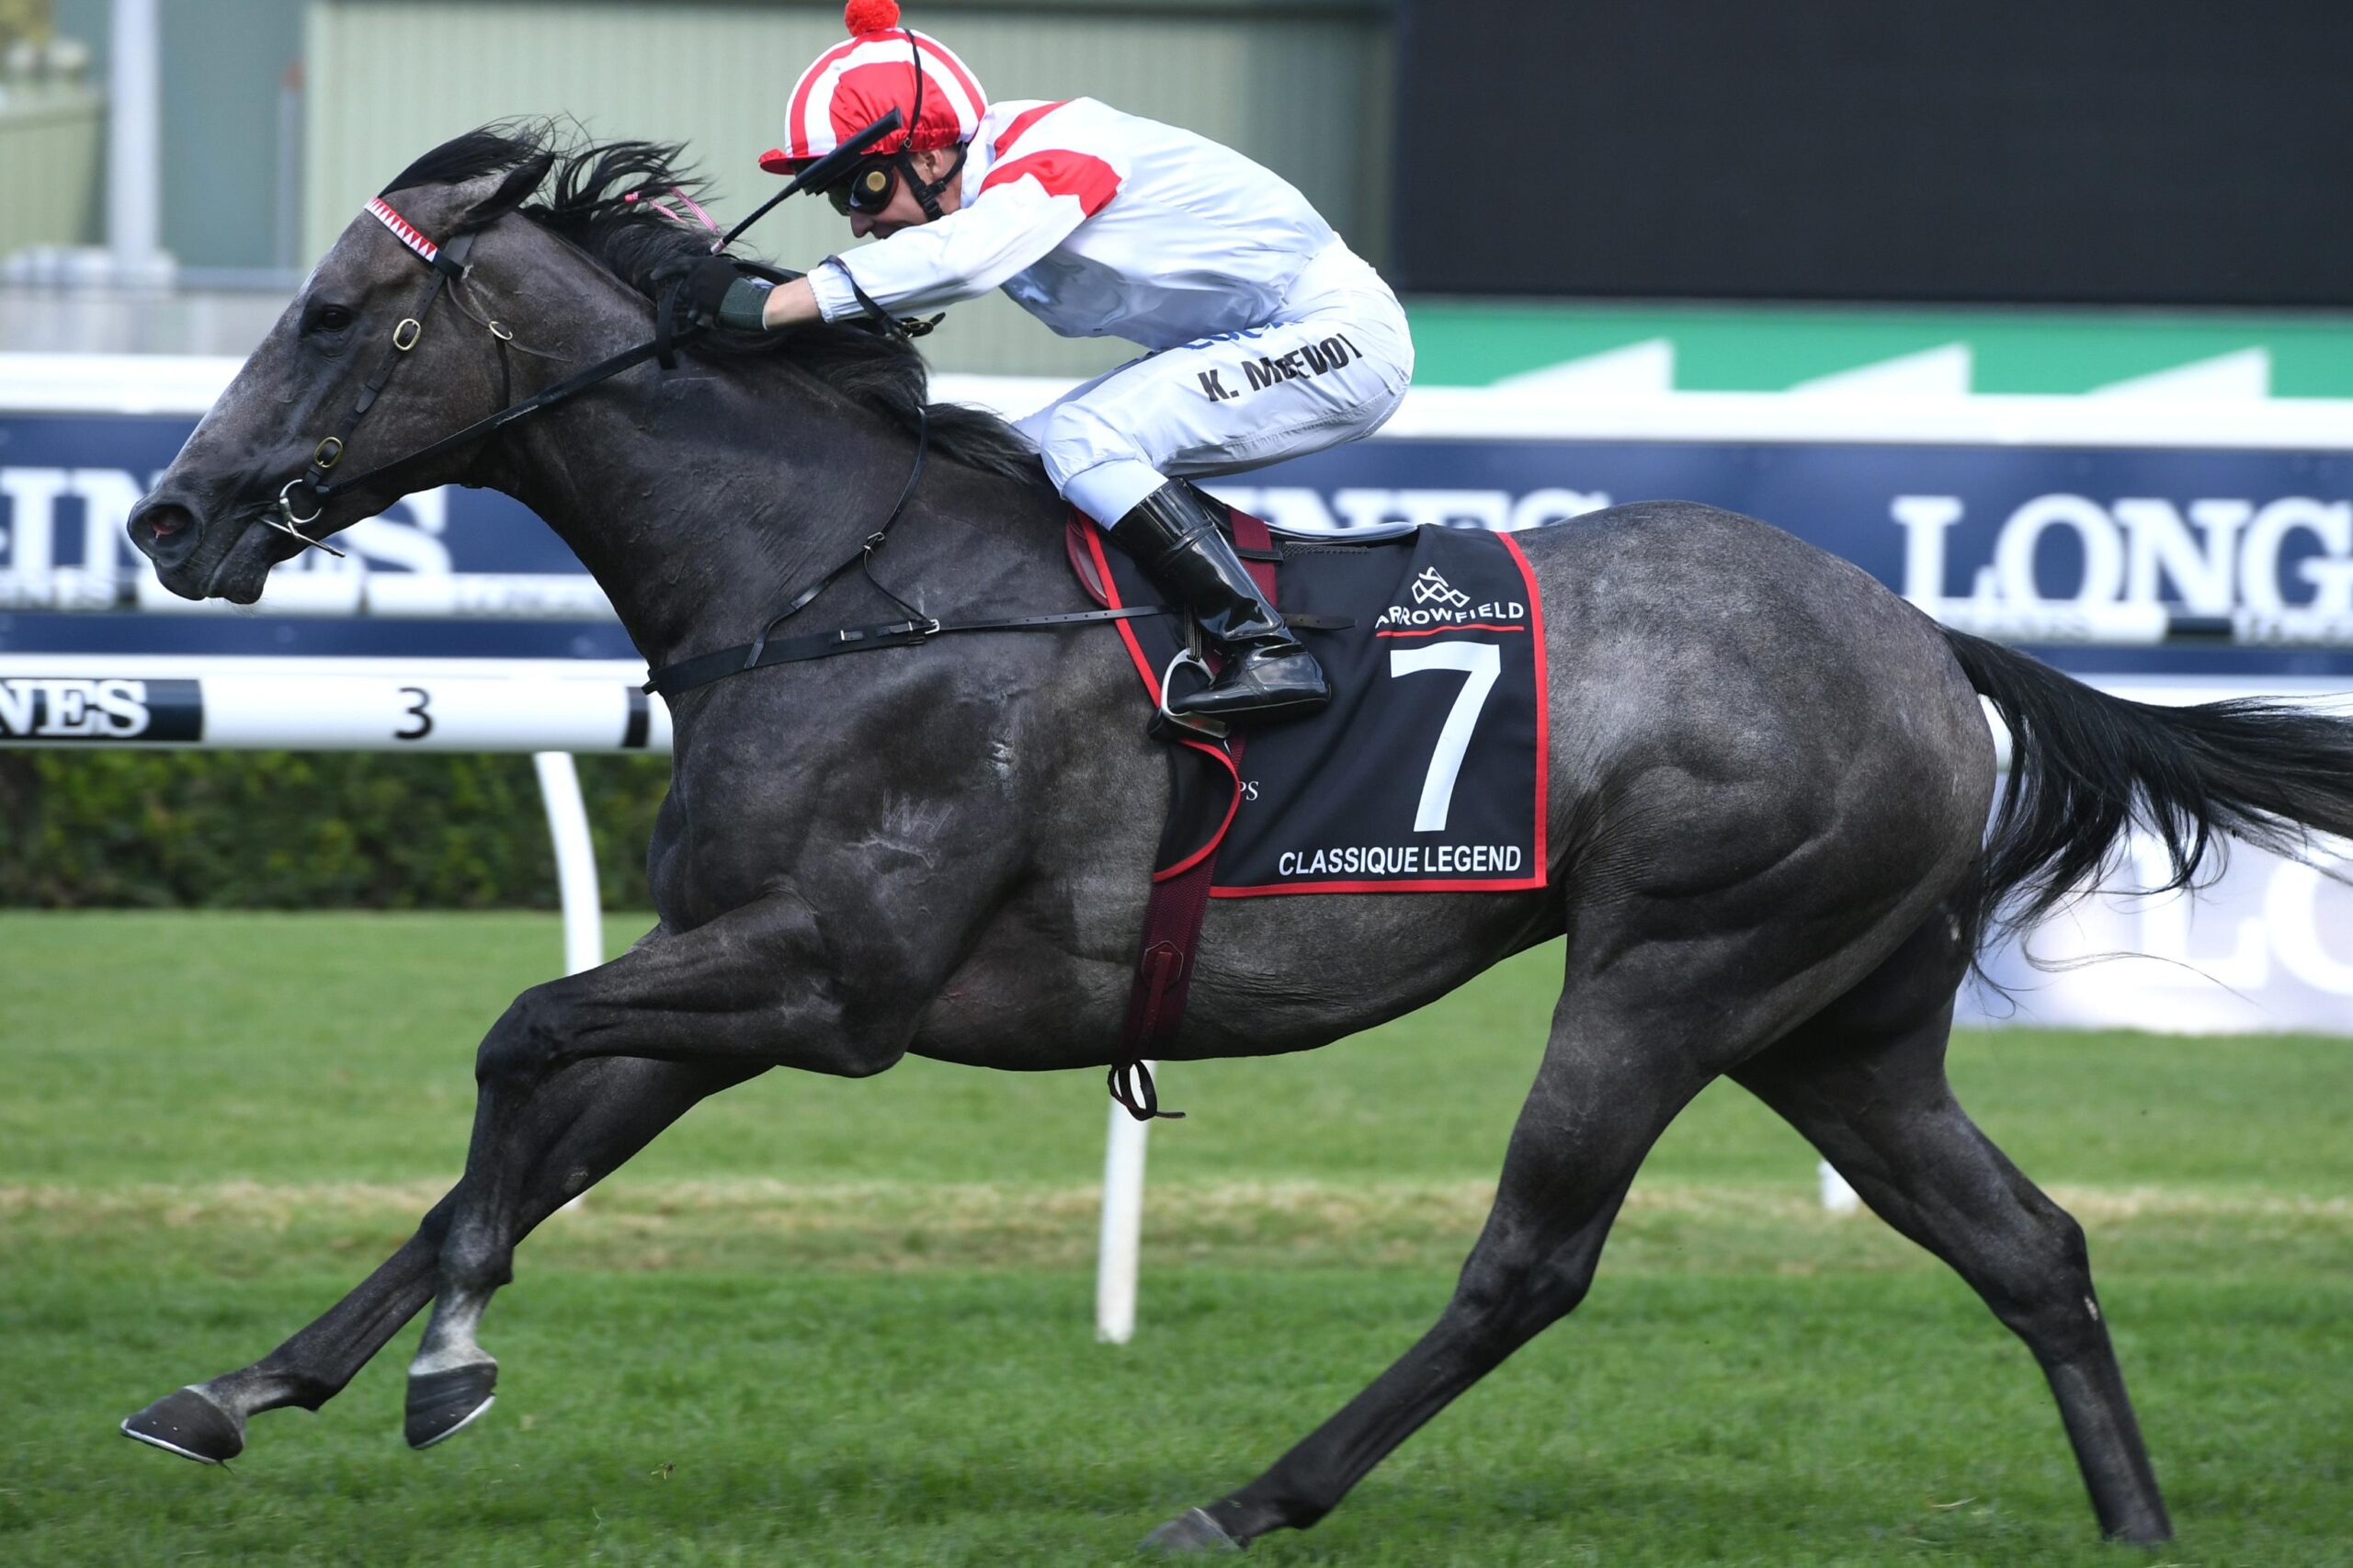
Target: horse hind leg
(1865,1083)
(1613,1077)
(618,1106)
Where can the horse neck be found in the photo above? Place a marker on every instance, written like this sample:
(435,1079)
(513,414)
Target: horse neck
(699,499)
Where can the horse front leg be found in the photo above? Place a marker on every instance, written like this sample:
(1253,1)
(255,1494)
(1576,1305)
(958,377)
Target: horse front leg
(751,990)
(614,1108)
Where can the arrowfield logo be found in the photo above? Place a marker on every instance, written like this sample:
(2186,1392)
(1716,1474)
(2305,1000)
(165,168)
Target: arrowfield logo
(1439,604)
(1431,587)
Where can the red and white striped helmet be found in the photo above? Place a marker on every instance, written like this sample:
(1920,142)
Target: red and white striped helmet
(853,84)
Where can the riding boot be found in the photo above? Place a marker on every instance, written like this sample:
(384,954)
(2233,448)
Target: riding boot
(1172,534)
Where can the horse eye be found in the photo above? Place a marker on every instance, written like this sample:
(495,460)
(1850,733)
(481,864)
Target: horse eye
(330,318)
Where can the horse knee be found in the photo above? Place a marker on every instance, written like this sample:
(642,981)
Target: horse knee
(433,1231)
(524,1042)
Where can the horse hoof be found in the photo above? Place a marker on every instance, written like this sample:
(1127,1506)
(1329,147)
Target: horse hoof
(186,1422)
(1190,1532)
(442,1404)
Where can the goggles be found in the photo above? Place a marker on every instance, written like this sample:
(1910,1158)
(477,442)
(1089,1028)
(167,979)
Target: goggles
(868,188)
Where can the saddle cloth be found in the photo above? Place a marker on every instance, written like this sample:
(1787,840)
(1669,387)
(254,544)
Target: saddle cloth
(1427,774)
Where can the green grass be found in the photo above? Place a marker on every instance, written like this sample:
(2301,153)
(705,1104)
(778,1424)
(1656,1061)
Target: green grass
(849,1323)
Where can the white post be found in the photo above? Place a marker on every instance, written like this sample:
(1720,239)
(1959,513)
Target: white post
(134,142)
(575,861)
(1836,1196)
(1115,1269)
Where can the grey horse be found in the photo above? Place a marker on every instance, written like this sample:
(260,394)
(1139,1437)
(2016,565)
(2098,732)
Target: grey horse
(1770,783)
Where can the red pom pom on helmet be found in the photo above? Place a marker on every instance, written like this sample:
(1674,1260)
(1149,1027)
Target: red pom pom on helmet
(863,16)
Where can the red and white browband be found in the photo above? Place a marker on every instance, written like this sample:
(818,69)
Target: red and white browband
(402,230)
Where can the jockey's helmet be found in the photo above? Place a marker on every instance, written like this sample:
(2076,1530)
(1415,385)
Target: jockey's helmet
(884,66)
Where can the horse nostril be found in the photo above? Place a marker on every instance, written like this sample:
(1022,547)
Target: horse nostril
(163,530)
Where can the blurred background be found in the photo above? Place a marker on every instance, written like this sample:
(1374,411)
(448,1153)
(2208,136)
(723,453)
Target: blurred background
(2038,312)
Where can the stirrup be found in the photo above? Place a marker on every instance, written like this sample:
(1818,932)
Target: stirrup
(1169,724)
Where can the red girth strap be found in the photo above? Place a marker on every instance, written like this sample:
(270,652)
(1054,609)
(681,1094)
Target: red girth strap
(1172,919)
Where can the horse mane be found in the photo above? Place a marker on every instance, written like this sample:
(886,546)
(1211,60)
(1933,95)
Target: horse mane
(602,197)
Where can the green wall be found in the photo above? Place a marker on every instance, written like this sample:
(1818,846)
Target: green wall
(1747,348)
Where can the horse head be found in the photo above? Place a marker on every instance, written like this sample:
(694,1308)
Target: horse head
(368,315)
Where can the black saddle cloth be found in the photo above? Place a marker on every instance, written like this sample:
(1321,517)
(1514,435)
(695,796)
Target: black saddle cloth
(1427,774)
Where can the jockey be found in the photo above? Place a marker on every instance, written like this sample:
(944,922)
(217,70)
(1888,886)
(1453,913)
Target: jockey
(1268,338)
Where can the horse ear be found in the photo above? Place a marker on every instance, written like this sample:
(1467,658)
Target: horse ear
(512,189)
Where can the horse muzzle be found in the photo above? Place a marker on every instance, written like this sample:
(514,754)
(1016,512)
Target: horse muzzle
(201,557)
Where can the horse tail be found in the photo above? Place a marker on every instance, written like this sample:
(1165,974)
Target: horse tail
(2086,766)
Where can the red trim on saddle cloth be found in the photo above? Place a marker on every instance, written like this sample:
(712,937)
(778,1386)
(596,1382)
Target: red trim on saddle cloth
(1543,867)
(1105,588)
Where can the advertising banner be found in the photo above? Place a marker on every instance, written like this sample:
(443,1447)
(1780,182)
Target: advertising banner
(2205,530)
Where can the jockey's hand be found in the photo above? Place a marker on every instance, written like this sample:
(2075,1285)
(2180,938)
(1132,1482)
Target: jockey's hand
(714,289)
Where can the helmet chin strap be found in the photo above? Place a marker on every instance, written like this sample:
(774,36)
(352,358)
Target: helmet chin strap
(926,193)
(929,193)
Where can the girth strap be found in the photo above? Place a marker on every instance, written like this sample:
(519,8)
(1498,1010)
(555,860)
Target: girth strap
(704,668)
(1173,913)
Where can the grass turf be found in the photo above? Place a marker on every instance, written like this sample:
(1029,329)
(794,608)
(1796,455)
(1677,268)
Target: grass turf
(827,1322)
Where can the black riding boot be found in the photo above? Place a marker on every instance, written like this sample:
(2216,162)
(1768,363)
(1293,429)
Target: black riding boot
(1172,534)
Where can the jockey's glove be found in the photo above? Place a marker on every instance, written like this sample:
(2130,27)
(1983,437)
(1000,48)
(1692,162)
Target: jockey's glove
(714,289)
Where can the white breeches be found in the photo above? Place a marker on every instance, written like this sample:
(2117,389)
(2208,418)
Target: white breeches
(1330,368)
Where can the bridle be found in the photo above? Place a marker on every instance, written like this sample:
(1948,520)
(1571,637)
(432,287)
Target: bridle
(449,262)
(448,259)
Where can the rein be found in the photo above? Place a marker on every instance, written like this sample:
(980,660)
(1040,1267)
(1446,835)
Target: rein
(449,264)
(686,675)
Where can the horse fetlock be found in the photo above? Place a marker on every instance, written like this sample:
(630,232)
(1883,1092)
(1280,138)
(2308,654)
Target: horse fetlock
(475,1261)
(269,1384)
(1283,1499)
